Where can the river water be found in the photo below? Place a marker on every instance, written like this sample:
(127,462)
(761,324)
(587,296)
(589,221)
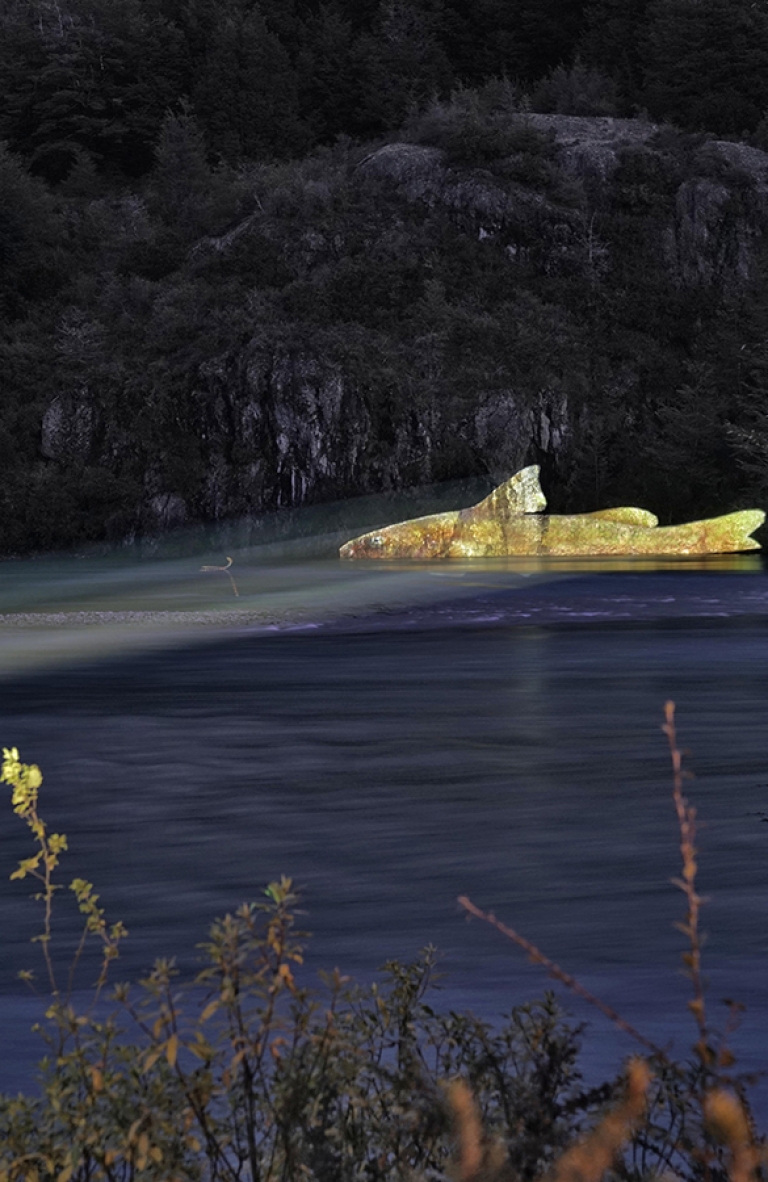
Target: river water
(395,739)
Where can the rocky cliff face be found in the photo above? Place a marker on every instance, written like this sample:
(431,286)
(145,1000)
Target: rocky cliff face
(323,412)
(292,430)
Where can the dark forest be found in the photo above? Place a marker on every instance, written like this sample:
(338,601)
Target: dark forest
(258,255)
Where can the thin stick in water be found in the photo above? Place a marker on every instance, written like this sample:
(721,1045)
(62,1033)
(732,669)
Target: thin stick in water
(227,570)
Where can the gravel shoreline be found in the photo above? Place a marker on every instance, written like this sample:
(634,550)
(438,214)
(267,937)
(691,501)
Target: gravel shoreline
(78,618)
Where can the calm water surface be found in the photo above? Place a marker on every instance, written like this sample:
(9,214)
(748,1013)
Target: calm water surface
(504,744)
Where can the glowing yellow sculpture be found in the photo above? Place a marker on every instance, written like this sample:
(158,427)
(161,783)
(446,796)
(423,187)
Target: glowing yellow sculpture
(509,522)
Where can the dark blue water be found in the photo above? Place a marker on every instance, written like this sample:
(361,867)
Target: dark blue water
(506,745)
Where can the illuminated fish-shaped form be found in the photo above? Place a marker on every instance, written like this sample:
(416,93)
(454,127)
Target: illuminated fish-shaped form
(509,522)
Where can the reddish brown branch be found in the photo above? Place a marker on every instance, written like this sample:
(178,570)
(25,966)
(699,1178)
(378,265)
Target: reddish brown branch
(538,957)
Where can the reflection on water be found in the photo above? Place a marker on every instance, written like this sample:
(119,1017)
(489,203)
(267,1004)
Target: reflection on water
(292,553)
(545,564)
(80,608)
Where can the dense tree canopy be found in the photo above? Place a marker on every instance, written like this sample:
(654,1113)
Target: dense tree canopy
(611,42)
(705,63)
(91,77)
(184,193)
(271,78)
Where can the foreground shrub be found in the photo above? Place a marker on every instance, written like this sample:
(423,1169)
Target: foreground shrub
(244,1073)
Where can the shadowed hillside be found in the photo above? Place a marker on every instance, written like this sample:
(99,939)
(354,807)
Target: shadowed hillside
(210,310)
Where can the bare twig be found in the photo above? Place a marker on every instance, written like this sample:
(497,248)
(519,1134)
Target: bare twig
(686,819)
(538,957)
